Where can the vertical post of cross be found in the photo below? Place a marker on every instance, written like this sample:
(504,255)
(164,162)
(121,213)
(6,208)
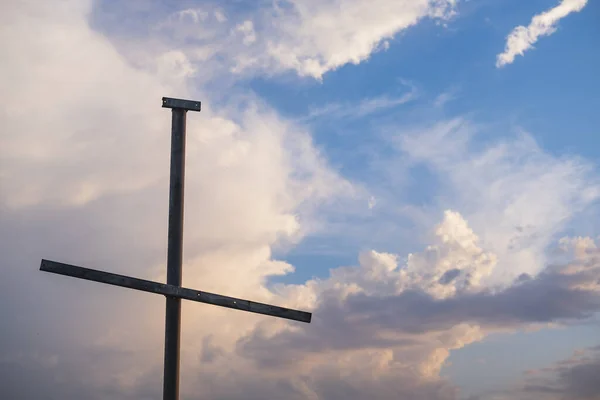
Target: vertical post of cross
(179,110)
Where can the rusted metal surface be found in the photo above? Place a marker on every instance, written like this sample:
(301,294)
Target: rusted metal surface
(190,105)
(173,291)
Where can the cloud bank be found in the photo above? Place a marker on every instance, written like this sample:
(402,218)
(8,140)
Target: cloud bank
(85,181)
(307,37)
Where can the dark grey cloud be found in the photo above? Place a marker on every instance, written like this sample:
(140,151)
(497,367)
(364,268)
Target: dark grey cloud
(549,297)
(328,383)
(575,378)
(581,381)
(359,319)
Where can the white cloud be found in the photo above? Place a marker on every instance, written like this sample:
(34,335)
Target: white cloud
(220,16)
(197,15)
(446,97)
(403,320)
(318,36)
(523,38)
(372,202)
(247,30)
(85,181)
(516,196)
(308,37)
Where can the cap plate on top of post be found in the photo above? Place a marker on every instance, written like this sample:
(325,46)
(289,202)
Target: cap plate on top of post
(191,105)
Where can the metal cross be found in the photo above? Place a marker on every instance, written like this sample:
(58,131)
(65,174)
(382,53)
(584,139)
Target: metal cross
(172,290)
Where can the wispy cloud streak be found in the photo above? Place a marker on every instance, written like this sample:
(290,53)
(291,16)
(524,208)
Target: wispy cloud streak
(523,38)
(361,109)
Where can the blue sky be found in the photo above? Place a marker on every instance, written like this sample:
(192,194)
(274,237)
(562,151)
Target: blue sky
(541,94)
(421,175)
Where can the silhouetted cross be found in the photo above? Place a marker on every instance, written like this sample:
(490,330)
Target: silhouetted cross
(172,290)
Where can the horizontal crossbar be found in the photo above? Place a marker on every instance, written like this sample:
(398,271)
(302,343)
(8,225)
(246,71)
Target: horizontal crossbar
(191,105)
(173,291)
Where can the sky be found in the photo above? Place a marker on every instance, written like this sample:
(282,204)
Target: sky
(421,175)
